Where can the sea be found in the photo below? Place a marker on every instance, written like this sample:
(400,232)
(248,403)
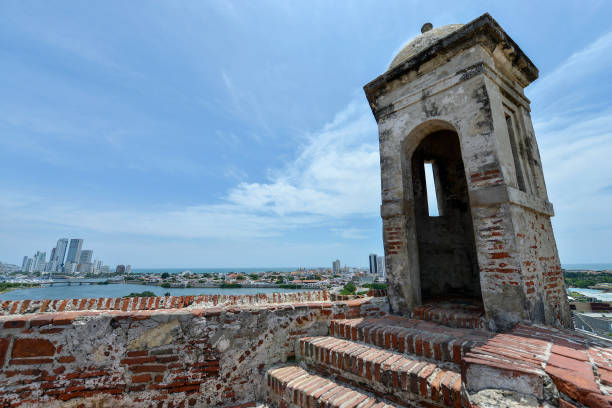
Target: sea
(597,294)
(588,266)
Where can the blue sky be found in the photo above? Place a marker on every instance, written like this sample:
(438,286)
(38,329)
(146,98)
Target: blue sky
(219,133)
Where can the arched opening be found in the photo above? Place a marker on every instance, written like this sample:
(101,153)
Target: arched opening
(445,235)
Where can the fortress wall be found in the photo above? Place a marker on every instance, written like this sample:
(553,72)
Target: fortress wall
(174,357)
(11,307)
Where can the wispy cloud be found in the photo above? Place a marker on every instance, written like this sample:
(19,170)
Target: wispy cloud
(245,105)
(336,172)
(335,175)
(578,86)
(332,179)
(351,233)
(573,124)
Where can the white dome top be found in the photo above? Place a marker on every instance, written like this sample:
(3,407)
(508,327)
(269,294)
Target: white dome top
(423,41)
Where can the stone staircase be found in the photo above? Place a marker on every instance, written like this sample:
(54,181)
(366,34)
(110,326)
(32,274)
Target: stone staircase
(458,312)
(293,386)
(377,362)
(441,357)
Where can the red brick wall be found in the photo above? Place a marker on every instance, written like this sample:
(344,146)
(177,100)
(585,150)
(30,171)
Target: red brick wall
(541,267)
(520,269)
(205,356)
(10,307)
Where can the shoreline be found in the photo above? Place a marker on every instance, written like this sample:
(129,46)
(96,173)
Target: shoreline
(594,293)
(11,289)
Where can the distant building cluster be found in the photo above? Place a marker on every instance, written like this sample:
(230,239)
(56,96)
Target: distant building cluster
(69,257)
(376,271)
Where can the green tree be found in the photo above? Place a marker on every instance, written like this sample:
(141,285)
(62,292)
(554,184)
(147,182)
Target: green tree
(146,293)
(165,275)
(348,289)
(375,285)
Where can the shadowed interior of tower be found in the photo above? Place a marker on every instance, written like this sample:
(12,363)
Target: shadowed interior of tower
(447,254)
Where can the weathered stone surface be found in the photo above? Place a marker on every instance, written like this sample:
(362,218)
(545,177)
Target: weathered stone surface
(215,356)
(455,97)
(160,335)
(505,399)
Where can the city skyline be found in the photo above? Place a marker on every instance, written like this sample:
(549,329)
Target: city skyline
(177,152)
(68,257)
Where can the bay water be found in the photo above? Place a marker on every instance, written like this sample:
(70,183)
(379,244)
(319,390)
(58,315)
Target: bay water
(120,290)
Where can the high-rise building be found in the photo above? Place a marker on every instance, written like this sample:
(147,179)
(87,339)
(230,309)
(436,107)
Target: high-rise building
(60,252)
(373,264)
(380,266)
(24,264)
(70,268)
(52,266)
(35,263)
(74,251)
(128,269)
(86,256)
(120,269)
(52,256)
(86,268)
(336,266)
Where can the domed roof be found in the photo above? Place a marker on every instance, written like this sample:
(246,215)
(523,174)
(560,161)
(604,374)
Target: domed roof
(423,41)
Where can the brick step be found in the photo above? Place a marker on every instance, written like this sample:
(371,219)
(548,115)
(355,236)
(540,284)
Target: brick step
(411,336)
(395,376)
(292,386)
(452,314)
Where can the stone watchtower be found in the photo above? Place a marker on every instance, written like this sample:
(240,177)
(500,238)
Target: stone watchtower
(477,229)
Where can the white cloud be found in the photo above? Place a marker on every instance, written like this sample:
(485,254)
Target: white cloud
(575,138)
(351,233)
(335,175)
(593,59)
(245,105)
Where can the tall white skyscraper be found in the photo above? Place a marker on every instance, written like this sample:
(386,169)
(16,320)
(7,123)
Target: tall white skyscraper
(38,261)
(60,251)
(373,264)
(336,266)
(86,256)
(74,250)
(52,266)
(380,266)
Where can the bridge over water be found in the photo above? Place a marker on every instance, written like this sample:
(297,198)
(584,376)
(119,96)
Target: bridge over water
(79,282)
